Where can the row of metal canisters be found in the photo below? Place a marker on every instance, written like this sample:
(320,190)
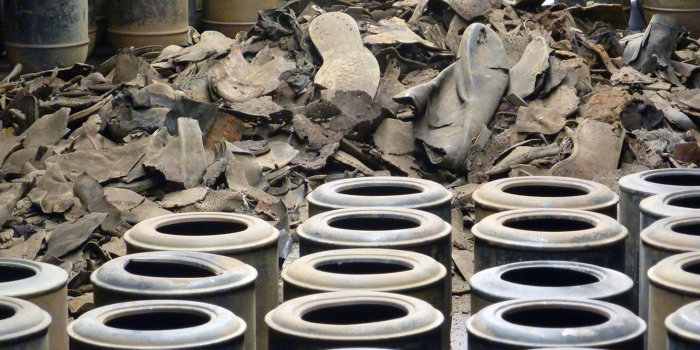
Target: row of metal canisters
(42,34)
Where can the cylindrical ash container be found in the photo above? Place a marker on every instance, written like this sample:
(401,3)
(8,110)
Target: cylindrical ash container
(683,328)
(141,23)
(23,325)
(664,205)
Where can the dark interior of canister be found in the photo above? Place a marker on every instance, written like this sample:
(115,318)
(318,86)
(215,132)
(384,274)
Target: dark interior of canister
(9,273)
(548,224)
(693,267)
(692,229)
(376,191)
(553,316)
(202,228)
(544,191)
(165,269)
(158,321)
(548,277)
(6,312)
(373,223)
(354,314)
(362,267)
(675,179)
(692,202)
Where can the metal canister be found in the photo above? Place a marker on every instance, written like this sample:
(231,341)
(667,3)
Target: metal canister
(43,285)
(685,12)
(42,35)
(355,319)
(673,282)
(549,234)
(548,280)
(141,23)
(23,325)
(243,237)
(382,191)
(232,16)
(195,276)
(546,192)
(157,324)
(683,327)
(92,25)
(548,323)
(664,205)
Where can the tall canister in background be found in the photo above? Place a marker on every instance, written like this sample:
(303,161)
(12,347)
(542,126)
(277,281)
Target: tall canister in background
(141,23)
(232,16)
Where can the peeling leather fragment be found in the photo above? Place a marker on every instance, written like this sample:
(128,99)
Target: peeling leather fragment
(70,235)
(528,74)
(597,149)
(47,130)
(93,200)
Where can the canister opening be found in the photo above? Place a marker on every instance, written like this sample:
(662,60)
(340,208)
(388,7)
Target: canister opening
(376,191)
(166,269)
(202,228)
(692,202)
(154,320)
(6,312)
(693,267)
(692,229)
(548,277)
(354,314)
(548,224)
(675,179)
(11,273)
(539,190)
(362,267)
(373,223)
(554,316)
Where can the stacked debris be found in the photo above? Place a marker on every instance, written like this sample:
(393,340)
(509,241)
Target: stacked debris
(457,91)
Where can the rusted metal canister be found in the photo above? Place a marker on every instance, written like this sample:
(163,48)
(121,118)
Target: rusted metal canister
(23,325)
(157,324)
(685,12)
(664,205)
(246,238)
(379,227)
(662,239)
(532,323)
(232,16)
(382,191)
(683,327)
(379,270)
(636,187)
(141,23)
(195,276)
(42,35)
(548,280)
(551,192)
(92,26)
(673,282)
(355,319)
(43,285)
(549,234)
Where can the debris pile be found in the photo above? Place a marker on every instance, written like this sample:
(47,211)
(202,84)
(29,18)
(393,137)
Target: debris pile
(455,91)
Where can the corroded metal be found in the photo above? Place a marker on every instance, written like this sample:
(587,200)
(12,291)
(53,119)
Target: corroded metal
(246,238)
(23,325)
(550,280)
(664,205)
(673,282)
(194,276)
(157,324)
(43,285)
(42,34)
(685,12)
(683,327)
(379,270)
(141,23)
(661,240)
(532,323)
(381,191)
(551,192)
(549,234)
(636,187)
(232,16)
(355,319)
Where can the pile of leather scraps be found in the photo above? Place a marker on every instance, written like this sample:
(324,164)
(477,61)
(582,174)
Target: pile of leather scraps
(455,91)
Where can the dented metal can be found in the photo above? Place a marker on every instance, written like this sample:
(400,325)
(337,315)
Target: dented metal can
(548,280)
(355,319)
(683,327)
(382,191)
(42,35)
(157,324)
(141,23)
(664,205)
(532,323)
(232,16)
(243,237)
(662,239)
(546,192)
(195,276)
(673,283)
(23,325)
(43,285)
(549,234)
(379,270)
